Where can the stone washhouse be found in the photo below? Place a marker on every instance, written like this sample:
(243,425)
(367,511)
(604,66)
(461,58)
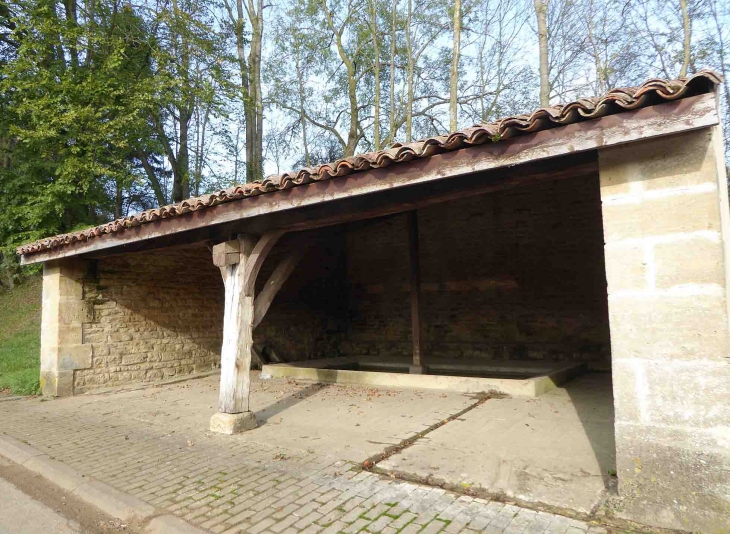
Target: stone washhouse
(593,234)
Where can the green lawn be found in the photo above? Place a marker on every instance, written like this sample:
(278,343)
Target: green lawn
(20,316)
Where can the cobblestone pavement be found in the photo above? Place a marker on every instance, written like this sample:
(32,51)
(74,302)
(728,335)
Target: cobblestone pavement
(224,484)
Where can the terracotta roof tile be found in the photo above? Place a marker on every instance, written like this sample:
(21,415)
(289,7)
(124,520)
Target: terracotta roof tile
(615,101)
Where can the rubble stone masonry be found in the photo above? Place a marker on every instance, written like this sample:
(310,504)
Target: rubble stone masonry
(149,316)
(664,216)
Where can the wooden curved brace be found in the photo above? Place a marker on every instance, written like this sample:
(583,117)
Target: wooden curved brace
(263,300)
(256,258)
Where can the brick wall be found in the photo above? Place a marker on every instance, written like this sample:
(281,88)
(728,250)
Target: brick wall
(156,315)
(308,318)
(510,275)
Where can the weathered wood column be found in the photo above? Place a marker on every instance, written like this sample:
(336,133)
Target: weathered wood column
(240,261)
(417,366)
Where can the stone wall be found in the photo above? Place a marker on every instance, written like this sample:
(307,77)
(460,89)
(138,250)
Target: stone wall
(64,314)
(516,274)
(665,212)
(154,315)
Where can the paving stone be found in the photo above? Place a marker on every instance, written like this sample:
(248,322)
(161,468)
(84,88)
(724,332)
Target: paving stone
(334,528)
(314,528)
(404,519)
(284,523)
(354,514)
(376,511)
(227,485)
(357,526)
(434,527)
(260,526)
(411,529)
(308,520)
(330,517)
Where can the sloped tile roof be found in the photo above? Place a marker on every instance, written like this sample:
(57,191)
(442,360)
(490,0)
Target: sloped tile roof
(650,92)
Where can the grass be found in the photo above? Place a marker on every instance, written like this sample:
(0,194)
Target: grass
(20,318)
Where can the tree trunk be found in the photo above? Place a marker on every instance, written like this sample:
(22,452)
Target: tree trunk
(542,35)
(721,51)
(70,8)
(256,16)
(376,66)
(352,134)
(249,82)
(454,78)
(302,117)
(601,71)
(152,179)
(181,162)
(118,200)
(352,137)
(391,129)
(409,75)
(687,31)
(181,167)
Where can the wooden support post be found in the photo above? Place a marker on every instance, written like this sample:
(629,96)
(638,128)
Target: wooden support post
(417,367)
(234,414)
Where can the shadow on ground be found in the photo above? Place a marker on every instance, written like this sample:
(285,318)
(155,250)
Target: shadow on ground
(556,449)
(263,415)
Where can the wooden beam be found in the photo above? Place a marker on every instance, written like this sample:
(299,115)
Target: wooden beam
(668,118)
(227,253)
(256,356)
(382,204)
(224,254)
(416,333)
(256,259)
(282,271)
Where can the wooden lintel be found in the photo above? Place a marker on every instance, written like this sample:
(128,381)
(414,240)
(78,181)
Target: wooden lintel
(282,271)
(414,260)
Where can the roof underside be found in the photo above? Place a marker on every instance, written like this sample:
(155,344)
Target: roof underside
(651,92)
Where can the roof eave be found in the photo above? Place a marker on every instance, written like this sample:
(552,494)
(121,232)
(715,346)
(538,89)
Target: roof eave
(667,118)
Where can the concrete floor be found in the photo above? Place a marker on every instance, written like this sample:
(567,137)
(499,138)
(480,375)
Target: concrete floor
(557,449)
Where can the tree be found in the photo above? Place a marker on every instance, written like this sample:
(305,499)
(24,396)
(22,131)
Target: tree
(454,77)
(542,38)
(186,74)
(250,15)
